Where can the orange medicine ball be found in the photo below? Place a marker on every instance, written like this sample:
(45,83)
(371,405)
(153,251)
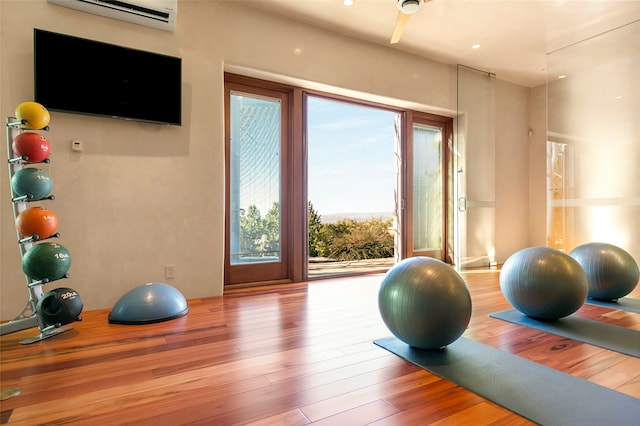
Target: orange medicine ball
(37,221)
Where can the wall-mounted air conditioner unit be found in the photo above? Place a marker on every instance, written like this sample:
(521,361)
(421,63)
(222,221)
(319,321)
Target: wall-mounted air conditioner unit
(159,14)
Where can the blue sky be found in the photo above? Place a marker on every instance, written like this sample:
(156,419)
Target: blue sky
(351,160)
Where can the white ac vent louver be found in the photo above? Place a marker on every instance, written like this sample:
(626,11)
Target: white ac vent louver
(160,14)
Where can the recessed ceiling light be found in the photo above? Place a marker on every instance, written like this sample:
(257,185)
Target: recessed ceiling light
(475,46)
(347,2)
(562,76)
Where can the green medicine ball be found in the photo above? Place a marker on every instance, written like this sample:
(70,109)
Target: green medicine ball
(46,260)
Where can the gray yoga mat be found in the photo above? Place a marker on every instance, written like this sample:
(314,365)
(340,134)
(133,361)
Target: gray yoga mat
(539,393)
(623,304)
(612,337)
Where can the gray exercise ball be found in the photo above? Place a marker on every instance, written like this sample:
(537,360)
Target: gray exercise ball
(544,283)
(424,303)
(612,272)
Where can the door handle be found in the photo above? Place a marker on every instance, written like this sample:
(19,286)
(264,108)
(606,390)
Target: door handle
(462,204)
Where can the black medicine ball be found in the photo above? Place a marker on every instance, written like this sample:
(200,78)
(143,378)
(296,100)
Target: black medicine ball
(60,306)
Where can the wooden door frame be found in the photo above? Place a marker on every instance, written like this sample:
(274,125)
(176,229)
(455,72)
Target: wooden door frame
(282,271)
(293,203)
(446,124)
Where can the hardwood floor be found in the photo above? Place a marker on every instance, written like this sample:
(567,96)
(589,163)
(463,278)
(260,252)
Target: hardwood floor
(297,354)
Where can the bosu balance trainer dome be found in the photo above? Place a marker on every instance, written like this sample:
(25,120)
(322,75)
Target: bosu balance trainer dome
(149,303)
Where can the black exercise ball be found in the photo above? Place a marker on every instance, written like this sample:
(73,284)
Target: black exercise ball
(60,306)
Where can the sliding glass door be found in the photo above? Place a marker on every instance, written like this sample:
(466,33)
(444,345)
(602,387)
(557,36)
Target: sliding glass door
(474,162)
(320,185)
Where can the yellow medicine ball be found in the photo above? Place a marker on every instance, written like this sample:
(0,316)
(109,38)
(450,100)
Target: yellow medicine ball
(36,116)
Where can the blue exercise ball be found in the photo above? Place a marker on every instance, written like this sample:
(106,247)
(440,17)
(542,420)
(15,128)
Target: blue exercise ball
(543,283)
(612,272)
(149,303)
(424,303)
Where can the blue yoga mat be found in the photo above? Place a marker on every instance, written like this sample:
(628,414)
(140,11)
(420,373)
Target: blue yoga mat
(539,393)
(612,337)
(623,304)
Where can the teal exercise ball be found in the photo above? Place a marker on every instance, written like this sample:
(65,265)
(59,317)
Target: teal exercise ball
(34,183)
(611,271)
(543,283)
(424,302)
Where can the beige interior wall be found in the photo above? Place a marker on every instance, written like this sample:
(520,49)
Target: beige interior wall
(512,169)
(141,196)
(538,166)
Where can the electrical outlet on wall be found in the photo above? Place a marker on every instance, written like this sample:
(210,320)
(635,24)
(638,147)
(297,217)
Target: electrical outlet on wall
(169,271)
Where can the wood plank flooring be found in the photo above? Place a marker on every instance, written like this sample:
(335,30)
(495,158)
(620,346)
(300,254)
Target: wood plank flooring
(296,354)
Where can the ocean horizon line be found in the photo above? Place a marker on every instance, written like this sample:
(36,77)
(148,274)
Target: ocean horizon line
(360,216)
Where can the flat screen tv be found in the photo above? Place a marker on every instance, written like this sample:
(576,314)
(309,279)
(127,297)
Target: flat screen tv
(81,76)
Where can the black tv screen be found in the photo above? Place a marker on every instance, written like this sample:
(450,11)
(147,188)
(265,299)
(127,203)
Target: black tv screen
(81,76)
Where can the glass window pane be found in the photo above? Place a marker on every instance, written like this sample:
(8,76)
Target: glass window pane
(427,188)
(474,165)
(255,178)
(593,168)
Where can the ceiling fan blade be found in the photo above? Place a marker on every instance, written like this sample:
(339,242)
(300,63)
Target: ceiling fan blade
(401,22)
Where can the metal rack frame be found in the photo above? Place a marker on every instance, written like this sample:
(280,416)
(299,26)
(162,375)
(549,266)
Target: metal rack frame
(29,317)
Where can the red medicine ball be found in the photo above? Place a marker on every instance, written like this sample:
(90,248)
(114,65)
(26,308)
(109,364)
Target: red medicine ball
(33,145)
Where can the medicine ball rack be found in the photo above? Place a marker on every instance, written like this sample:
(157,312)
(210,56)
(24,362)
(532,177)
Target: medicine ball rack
(29,317)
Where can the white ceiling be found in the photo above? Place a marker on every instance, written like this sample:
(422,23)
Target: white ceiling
(514,35)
